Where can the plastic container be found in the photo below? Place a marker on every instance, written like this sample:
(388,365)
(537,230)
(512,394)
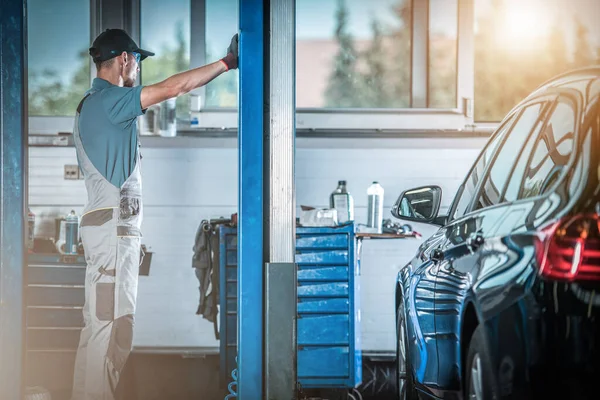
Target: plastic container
(167,122)
(30,229)
(343,203)
(375,194)
(71,233)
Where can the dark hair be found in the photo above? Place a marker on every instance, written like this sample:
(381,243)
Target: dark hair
(104,64)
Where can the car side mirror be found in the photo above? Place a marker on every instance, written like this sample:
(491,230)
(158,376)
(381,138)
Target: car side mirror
(421,204)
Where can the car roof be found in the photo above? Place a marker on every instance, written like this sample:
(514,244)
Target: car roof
(591,72)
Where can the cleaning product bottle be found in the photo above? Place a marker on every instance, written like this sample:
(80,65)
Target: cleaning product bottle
(343,202)
(30,230)
(375,207)
(71,233)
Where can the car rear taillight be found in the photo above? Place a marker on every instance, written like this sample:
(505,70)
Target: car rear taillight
(569,250)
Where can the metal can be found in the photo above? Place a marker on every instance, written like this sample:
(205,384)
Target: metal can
(71,233)
(30,229)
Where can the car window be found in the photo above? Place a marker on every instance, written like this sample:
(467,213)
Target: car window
(575,178)
(467,191)
(511,148)
(593,90)
(583,163)
(552,151)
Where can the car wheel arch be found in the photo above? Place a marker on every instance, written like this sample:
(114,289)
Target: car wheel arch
(470,321)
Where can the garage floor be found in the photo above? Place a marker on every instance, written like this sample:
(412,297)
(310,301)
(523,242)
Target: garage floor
(177,377)
(188,378)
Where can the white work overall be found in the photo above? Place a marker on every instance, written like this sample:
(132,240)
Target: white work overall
(110,233)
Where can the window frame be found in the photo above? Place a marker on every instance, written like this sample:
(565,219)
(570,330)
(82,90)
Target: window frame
(314,120)
(398,119)
(99,16)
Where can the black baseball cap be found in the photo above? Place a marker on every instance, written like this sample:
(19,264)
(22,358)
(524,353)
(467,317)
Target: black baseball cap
(113,42)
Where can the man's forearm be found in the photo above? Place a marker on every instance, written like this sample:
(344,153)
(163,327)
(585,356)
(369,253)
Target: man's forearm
(185,82)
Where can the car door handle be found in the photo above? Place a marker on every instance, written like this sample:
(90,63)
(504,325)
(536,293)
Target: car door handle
(474,241)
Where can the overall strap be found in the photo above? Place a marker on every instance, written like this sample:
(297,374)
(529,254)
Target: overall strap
(81,103)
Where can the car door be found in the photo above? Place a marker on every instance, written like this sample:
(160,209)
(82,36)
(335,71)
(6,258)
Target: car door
(494,271)
(418,278)
(480,228)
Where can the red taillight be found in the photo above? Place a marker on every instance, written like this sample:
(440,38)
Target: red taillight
(569,249)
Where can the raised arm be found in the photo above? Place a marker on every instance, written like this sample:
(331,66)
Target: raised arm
(184,82)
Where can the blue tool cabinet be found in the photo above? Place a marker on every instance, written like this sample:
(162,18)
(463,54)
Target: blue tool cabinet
(329,353)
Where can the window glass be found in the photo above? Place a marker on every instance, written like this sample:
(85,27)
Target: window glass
(353,53)
(221,25)
(58,60)
(165,30)
(443,50)
(552,152)
(470,185)
(521,44)
(507,155)
(350,53)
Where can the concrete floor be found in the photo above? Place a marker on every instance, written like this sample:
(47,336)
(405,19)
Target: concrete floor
(150,376)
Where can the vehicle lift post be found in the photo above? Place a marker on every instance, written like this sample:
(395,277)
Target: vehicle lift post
(267,293)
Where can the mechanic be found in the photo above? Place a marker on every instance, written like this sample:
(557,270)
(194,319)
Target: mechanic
(106,141)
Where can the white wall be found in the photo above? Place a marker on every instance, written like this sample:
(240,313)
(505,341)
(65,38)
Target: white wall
(187,180)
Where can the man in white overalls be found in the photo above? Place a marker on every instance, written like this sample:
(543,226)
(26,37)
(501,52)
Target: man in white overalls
(106,141)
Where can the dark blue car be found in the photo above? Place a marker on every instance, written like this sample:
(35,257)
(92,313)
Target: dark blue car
(503,301)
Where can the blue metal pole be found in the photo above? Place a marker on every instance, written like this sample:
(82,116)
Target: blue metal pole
(12,194)
(250,191)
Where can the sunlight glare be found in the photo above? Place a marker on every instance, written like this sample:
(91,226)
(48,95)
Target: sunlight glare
(523,23)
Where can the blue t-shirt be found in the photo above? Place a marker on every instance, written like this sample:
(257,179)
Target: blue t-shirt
(108,129)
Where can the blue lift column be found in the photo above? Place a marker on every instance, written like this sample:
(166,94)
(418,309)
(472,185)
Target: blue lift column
(267,273)
(250,203)
(13,125)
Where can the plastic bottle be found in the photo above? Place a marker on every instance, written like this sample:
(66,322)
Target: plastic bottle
(342,202)
(375,208)
(30,229)
(71,233)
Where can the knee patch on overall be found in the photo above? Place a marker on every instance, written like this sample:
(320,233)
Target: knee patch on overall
(121,341)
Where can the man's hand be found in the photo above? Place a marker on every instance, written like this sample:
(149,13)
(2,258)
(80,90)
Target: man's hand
(231,59)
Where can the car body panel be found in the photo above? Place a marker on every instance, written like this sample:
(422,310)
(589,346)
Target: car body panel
(499,279)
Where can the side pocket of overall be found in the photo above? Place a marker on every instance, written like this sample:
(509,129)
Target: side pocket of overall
(129,208)
(105,301)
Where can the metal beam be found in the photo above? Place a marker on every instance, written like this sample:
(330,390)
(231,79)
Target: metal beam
(198,47)
(420,54)
(466,59)
(250,191)
(110,14)
(280,281)
(123,14)
(13,103)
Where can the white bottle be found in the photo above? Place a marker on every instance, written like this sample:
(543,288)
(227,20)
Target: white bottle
(375,208)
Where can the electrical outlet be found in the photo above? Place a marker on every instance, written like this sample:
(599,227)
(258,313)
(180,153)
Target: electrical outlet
(71,171)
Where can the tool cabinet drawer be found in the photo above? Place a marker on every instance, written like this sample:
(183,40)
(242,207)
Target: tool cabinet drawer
(325,330)
(323,273)
(327,324)
(320,305)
